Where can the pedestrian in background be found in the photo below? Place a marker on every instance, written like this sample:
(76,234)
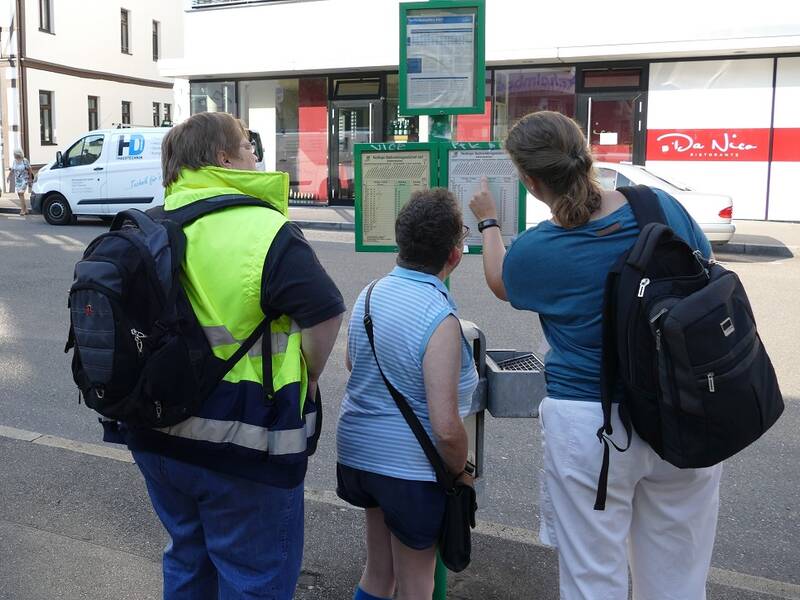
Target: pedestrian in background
(420,347)
(663,518)
(227,482)
(20,178)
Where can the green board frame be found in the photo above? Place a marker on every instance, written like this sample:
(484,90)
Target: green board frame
(444,180)
(359,151)
(479,91)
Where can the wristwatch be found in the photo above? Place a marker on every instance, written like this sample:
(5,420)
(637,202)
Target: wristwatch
(486,223)
(469,468)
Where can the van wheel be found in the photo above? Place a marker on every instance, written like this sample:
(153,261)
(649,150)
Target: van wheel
(56,210)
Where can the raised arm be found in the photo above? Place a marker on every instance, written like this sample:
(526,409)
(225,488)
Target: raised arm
(483,207)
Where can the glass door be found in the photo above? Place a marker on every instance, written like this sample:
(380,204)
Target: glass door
(613,125)
(352,122)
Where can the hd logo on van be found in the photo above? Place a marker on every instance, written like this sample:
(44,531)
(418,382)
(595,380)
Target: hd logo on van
(131,147)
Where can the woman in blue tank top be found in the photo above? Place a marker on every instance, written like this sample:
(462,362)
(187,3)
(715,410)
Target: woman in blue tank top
(663,517)
(418,341)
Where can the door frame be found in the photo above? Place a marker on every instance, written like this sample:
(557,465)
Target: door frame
(334,104)
(638,94)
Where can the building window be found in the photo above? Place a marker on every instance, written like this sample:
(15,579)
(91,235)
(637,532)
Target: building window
(213,97)
(156,40)
(156,114)
(167,114)
(518,92)
(45,16)
(124,28)
(126,112)
(93,121)
(46,118)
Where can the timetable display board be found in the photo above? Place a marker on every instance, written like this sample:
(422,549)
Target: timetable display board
(463,165)
(385,177)
(442,59)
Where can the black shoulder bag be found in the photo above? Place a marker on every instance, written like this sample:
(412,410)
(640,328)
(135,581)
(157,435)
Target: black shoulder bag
(455,546)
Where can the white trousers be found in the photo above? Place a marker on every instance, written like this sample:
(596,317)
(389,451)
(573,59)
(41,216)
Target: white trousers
(659,519)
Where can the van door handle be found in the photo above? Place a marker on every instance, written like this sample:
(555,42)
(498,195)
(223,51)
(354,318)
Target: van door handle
(98,168)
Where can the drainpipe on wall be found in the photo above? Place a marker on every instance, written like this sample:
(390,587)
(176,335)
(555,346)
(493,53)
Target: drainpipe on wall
(22,85)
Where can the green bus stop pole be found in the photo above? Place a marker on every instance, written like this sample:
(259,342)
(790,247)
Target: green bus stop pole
(440,132)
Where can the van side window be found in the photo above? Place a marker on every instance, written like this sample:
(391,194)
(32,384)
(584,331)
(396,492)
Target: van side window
(84,151)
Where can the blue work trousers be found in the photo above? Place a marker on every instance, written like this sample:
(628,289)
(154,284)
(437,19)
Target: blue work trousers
(231,537)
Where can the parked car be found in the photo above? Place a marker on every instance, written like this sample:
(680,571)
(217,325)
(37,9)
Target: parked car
(713,212)
(104,172)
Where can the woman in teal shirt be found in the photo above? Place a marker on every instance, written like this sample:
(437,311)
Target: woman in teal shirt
(663,516)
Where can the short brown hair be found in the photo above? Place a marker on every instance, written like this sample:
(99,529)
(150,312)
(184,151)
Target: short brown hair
(551,147)
(196,142)
(428,227)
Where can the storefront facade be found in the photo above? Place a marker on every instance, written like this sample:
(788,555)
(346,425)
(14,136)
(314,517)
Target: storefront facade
(718,113)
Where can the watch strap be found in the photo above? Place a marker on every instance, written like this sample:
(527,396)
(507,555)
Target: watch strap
(486,223)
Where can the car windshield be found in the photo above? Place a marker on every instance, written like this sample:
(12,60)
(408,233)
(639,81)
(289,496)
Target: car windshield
(658,180)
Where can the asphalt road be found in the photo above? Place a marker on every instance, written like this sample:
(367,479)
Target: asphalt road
(758,528)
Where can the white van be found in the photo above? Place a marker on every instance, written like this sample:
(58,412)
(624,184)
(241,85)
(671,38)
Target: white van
(104,172)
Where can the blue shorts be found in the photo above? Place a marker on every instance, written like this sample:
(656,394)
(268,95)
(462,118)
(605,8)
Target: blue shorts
(413,510)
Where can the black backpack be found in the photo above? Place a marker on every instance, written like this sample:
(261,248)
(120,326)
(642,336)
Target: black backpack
(679,334)
(141,356)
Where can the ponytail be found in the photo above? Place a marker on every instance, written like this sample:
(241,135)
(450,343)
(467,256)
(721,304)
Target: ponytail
(551,147)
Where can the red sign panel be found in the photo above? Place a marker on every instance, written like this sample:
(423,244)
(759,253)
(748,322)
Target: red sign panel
(723,144)
(786,145)
(708,144)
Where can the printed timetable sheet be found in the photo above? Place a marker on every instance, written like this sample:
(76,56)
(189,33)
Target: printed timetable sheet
(440,58)
(388,180)
(465,170)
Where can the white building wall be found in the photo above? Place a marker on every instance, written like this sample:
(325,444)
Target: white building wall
(784,192)
(302,37)
(71,109)
(691,98)
(86,35)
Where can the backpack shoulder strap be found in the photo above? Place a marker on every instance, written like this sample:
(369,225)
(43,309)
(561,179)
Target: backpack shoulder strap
(188,214)
(645,205)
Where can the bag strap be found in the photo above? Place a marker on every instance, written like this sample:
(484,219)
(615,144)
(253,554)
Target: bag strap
(608,381)
(186,215)
(442,476)
(645,205)
(653,226)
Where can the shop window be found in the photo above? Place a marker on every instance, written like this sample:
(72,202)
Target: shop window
(476,128)
(216,96)
(398,128)
(126,112)
(156,114)
(611,78)
(167,122)
(518,92)
(301,136)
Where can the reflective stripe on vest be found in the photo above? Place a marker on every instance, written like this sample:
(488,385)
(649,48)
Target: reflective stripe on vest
(289,441)
(219,335)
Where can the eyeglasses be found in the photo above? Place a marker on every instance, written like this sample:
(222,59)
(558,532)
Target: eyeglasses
(464,234)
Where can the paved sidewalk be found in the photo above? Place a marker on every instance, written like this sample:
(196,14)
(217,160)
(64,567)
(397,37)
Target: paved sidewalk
(76,524)
(776,239)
